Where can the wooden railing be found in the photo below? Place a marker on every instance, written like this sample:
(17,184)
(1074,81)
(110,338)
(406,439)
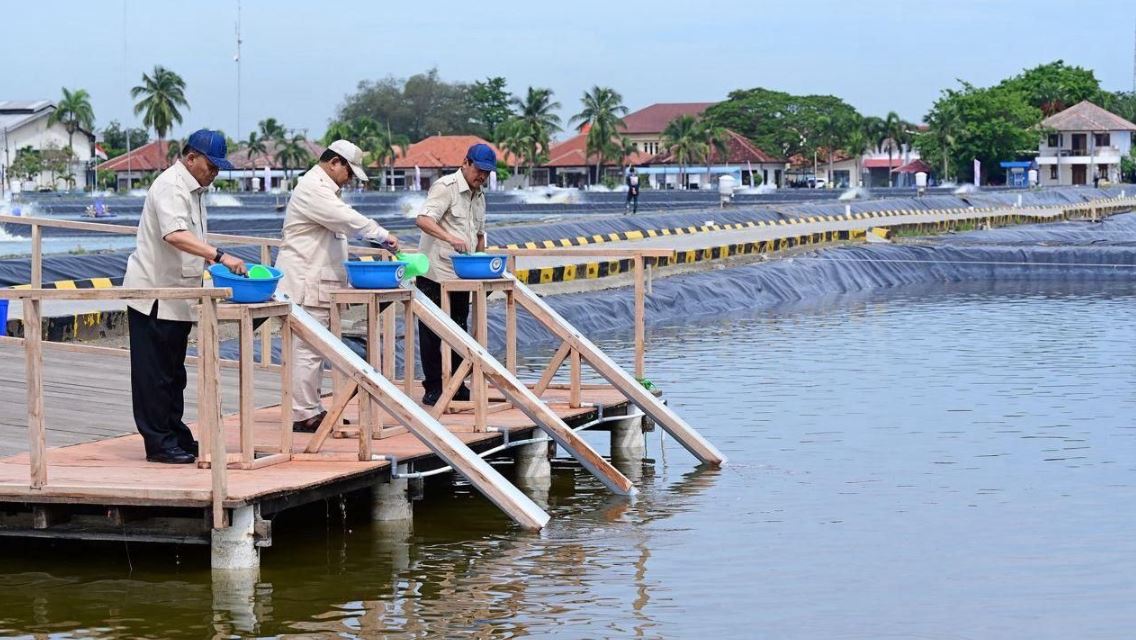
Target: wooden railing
(209,407)
(640,275)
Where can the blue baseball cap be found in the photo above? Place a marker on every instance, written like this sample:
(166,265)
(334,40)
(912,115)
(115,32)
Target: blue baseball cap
(482,156)
(210,144)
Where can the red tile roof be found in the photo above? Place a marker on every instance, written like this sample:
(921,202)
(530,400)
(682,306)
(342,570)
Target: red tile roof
(1086,116)
(739,151)
(883,163)
(654,119)
(442,152)
(240,157)
(570,153)
(149,157)
(915,166)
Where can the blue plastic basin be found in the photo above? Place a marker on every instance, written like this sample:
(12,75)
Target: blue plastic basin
(245,290)
(375,275)
(481,266)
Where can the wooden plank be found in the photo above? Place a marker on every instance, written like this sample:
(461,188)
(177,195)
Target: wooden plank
(332,418)
(33,356)
(388,342)
(640,319)
(480,397)
(588,252)
(552,368)
(71,224)
(444,444)
(451,388)
(286,346)
(367,409)
(245,339)
(209,409)
(631,388)
(408,344)
(114,293)
(37,254)
(574,384)
(521,397)
(510,332)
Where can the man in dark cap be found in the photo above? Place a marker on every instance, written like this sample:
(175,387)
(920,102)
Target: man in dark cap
(452,221)
(171,252)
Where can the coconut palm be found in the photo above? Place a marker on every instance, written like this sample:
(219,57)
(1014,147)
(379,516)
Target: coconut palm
(292,153)
(681,140)
(74,112)
(337,130)
(714,139)
(163,92)
(272,130)
(894,129)
(536,112)
(876,130)
(382,148)
(626,148)
(254,146)
(512,138)
(602,115)
(173,150)
(855,144)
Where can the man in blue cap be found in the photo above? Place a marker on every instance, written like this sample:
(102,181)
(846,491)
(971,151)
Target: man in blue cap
(452,221)
(171,252)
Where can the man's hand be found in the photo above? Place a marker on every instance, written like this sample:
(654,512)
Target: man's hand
(459,245)
(392,243)
(234,264)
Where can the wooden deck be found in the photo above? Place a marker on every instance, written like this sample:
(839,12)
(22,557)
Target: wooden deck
(95,458)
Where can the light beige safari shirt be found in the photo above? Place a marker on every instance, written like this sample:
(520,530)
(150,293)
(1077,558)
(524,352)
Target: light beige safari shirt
(317,224)
(453,205)
(173,203)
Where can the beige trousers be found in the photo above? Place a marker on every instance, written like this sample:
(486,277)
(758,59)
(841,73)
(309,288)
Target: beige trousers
(307,372)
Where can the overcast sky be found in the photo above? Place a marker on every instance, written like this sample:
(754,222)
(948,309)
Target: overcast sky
(299,59)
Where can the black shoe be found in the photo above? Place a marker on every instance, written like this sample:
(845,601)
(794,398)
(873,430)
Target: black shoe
(310,425)
(463,394)
(173,455)
(191,448)
(430,398)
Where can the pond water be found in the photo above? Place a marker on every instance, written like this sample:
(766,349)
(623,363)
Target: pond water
(948,462)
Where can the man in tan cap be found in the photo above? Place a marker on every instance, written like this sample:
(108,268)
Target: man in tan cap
(317,224)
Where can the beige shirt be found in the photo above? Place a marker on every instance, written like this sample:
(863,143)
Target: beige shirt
(316,227)
(454,206)
(173,203)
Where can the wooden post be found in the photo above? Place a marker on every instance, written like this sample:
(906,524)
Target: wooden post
(338,383)
(510,332)
(480,398)
(266,328)
(368,410)
(37,257)
(33,353)
(246,390)
(408,321)
(574,389)
(388,341)
(209,411)
(285,387)
(640,313)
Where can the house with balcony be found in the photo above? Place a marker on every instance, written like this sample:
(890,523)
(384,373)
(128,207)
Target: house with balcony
(1083,145)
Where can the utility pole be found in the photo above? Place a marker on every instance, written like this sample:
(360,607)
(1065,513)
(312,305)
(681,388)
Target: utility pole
(237,59)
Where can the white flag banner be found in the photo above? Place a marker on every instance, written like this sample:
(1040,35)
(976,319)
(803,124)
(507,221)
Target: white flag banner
(977,172)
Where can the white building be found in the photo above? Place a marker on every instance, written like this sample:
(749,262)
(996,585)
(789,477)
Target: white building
(24,124)
(1084,143)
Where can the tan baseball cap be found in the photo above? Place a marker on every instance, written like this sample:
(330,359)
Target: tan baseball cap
(352,154)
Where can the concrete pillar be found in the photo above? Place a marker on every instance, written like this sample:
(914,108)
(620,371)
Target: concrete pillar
(234,547)
(530,461)
(390,501)
(627,438)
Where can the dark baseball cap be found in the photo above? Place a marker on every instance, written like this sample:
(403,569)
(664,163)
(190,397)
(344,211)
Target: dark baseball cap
(482,156)
(210,144)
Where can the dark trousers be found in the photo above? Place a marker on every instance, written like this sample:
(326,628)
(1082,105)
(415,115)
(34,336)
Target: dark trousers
(429,344)
(157,379)
(632,200)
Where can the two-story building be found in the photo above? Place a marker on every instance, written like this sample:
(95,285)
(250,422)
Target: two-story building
(1082,145)
(25,124)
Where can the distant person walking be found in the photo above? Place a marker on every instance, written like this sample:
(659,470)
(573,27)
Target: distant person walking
(172,253)
(632,204)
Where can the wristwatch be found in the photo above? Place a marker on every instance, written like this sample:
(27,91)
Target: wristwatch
(217,256)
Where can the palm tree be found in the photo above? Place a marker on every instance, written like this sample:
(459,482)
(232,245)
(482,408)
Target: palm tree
(536,112)
(714,138)
(75,112)
(512,138)
(337,130)
(272,130)
(173,150)
(832,134)
(876,130)
(292,153)
(681,140)
(163,92)
(855,144)
(255,147)
(626,148)
(894,128)
(602,116)
(382,148)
